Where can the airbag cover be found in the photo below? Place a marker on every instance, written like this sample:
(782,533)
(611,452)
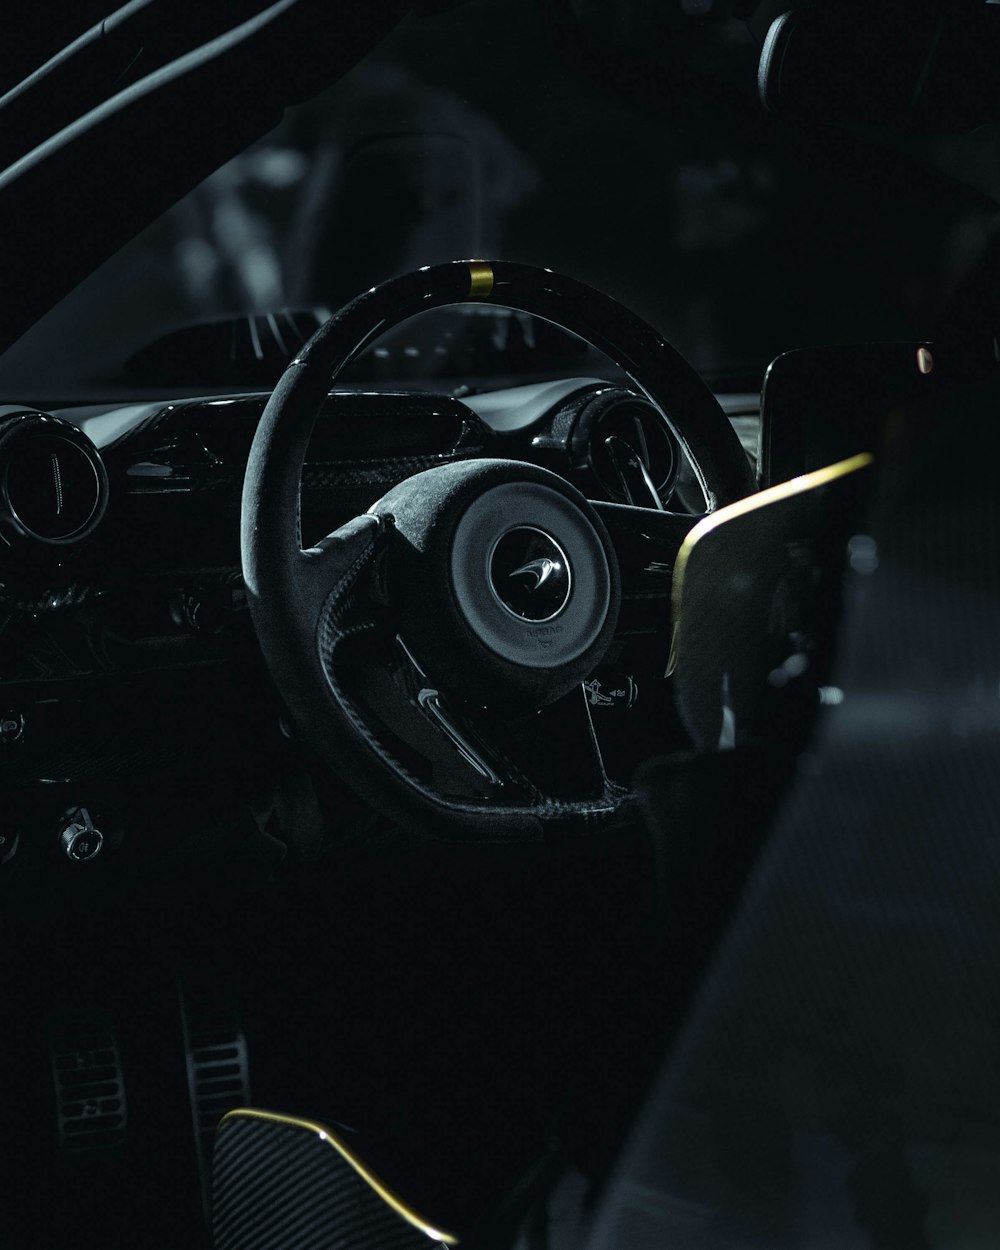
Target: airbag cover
(509,580)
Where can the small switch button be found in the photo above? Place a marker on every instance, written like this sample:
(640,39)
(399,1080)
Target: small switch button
(79,839)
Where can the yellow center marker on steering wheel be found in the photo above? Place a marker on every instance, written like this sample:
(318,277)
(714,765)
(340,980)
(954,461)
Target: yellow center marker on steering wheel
(480,279)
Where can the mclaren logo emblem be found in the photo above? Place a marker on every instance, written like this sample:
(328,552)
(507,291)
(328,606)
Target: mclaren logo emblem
(538,571)
(530,574)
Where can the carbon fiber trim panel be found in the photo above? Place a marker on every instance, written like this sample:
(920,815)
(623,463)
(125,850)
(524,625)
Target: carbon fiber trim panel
(279,1183)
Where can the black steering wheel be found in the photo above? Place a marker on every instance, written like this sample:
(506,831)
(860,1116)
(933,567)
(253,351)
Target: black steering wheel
(433,650)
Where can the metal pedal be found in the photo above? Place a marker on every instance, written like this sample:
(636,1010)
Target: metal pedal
(89,1085)
(218,1068)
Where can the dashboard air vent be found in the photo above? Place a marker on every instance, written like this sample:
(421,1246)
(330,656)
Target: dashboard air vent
(53,484)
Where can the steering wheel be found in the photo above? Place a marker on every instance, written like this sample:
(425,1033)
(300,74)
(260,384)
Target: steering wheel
(433,650)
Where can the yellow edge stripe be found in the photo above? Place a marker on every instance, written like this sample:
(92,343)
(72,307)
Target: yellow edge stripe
(480,279)
(773,494)
(347,1154)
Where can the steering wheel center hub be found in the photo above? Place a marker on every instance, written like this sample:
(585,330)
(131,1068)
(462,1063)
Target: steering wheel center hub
(530,574)
(517,574)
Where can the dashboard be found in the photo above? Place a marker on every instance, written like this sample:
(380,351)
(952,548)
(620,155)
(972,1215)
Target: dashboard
(131,686)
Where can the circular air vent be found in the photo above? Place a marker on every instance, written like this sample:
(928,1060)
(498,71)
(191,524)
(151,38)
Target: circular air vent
(627,445)
(53,485)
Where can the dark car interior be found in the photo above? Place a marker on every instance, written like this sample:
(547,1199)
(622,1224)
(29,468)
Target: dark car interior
(498,603)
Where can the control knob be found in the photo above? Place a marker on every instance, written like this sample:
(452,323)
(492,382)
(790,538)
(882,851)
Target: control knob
(79,839)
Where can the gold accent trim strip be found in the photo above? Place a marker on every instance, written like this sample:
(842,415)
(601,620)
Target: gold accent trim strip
(325,1134)
(480,279)
(773,494)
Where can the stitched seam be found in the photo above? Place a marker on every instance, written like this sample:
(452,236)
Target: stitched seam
(611,798)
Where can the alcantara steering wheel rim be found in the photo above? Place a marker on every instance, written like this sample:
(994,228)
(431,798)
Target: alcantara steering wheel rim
(308,606)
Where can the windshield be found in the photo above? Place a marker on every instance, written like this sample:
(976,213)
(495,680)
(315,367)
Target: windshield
(627,151)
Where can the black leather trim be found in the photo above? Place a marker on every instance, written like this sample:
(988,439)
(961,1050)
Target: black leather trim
(652,364)
(366,759)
